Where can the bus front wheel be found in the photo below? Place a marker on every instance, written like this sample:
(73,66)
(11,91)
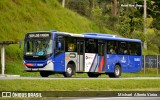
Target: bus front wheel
(44,74)
(69,71)
(117,72)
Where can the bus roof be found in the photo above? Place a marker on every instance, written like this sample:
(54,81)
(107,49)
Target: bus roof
(70,34)
(100,34)
(94,35)
(108,37)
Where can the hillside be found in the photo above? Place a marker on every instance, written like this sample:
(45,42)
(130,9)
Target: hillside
(21,16)
(18,17)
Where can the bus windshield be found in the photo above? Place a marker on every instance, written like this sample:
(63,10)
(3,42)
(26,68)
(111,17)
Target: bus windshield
(38,47)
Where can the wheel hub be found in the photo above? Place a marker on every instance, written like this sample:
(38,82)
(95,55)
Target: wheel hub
(117,71)
(69,70)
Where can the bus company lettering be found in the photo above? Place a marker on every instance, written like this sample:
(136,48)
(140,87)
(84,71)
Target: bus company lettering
(89,56)
(72,55)
(89,59)
(136,59)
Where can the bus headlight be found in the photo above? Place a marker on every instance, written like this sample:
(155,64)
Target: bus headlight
(49,61)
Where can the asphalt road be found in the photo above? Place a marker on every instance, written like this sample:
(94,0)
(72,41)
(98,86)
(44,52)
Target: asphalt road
(77,78)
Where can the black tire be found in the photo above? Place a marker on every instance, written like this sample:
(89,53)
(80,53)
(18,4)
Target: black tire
(111,75)
(117,72)
(69,71)
(91,74)
(44,74)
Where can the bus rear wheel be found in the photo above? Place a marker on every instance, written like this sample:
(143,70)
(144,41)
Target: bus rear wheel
(91,74)
(69,71)
(44,74)
(117,72)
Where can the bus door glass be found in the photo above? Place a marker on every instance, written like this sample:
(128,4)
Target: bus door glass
(101,57)
(80,57)
(59,54)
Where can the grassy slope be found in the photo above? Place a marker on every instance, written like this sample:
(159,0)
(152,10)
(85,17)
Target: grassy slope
(21,16)
(18,17)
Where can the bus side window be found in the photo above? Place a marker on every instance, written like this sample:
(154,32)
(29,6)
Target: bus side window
(71,45)
(131,48)
(137,49)
(123,50)
(91,46)
(134,48)
(112,47)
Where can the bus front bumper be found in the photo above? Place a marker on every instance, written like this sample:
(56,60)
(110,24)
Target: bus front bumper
(48,67)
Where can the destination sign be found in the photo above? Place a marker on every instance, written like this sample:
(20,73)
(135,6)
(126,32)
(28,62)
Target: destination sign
(38,35)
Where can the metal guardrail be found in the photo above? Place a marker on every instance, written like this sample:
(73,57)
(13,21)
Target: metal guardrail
(151,61)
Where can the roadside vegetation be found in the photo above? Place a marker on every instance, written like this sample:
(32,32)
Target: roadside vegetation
(80,85)
(127,21)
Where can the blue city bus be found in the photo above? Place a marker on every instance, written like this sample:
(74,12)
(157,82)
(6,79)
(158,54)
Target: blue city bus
(50,52)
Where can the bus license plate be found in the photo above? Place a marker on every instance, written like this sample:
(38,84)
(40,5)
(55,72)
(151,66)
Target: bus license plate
(34,69)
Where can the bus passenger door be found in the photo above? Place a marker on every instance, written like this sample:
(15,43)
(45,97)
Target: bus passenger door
(80,55)
(59,54)
(101,57)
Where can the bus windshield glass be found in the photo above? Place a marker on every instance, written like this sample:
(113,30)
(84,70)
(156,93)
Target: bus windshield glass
(37,47)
